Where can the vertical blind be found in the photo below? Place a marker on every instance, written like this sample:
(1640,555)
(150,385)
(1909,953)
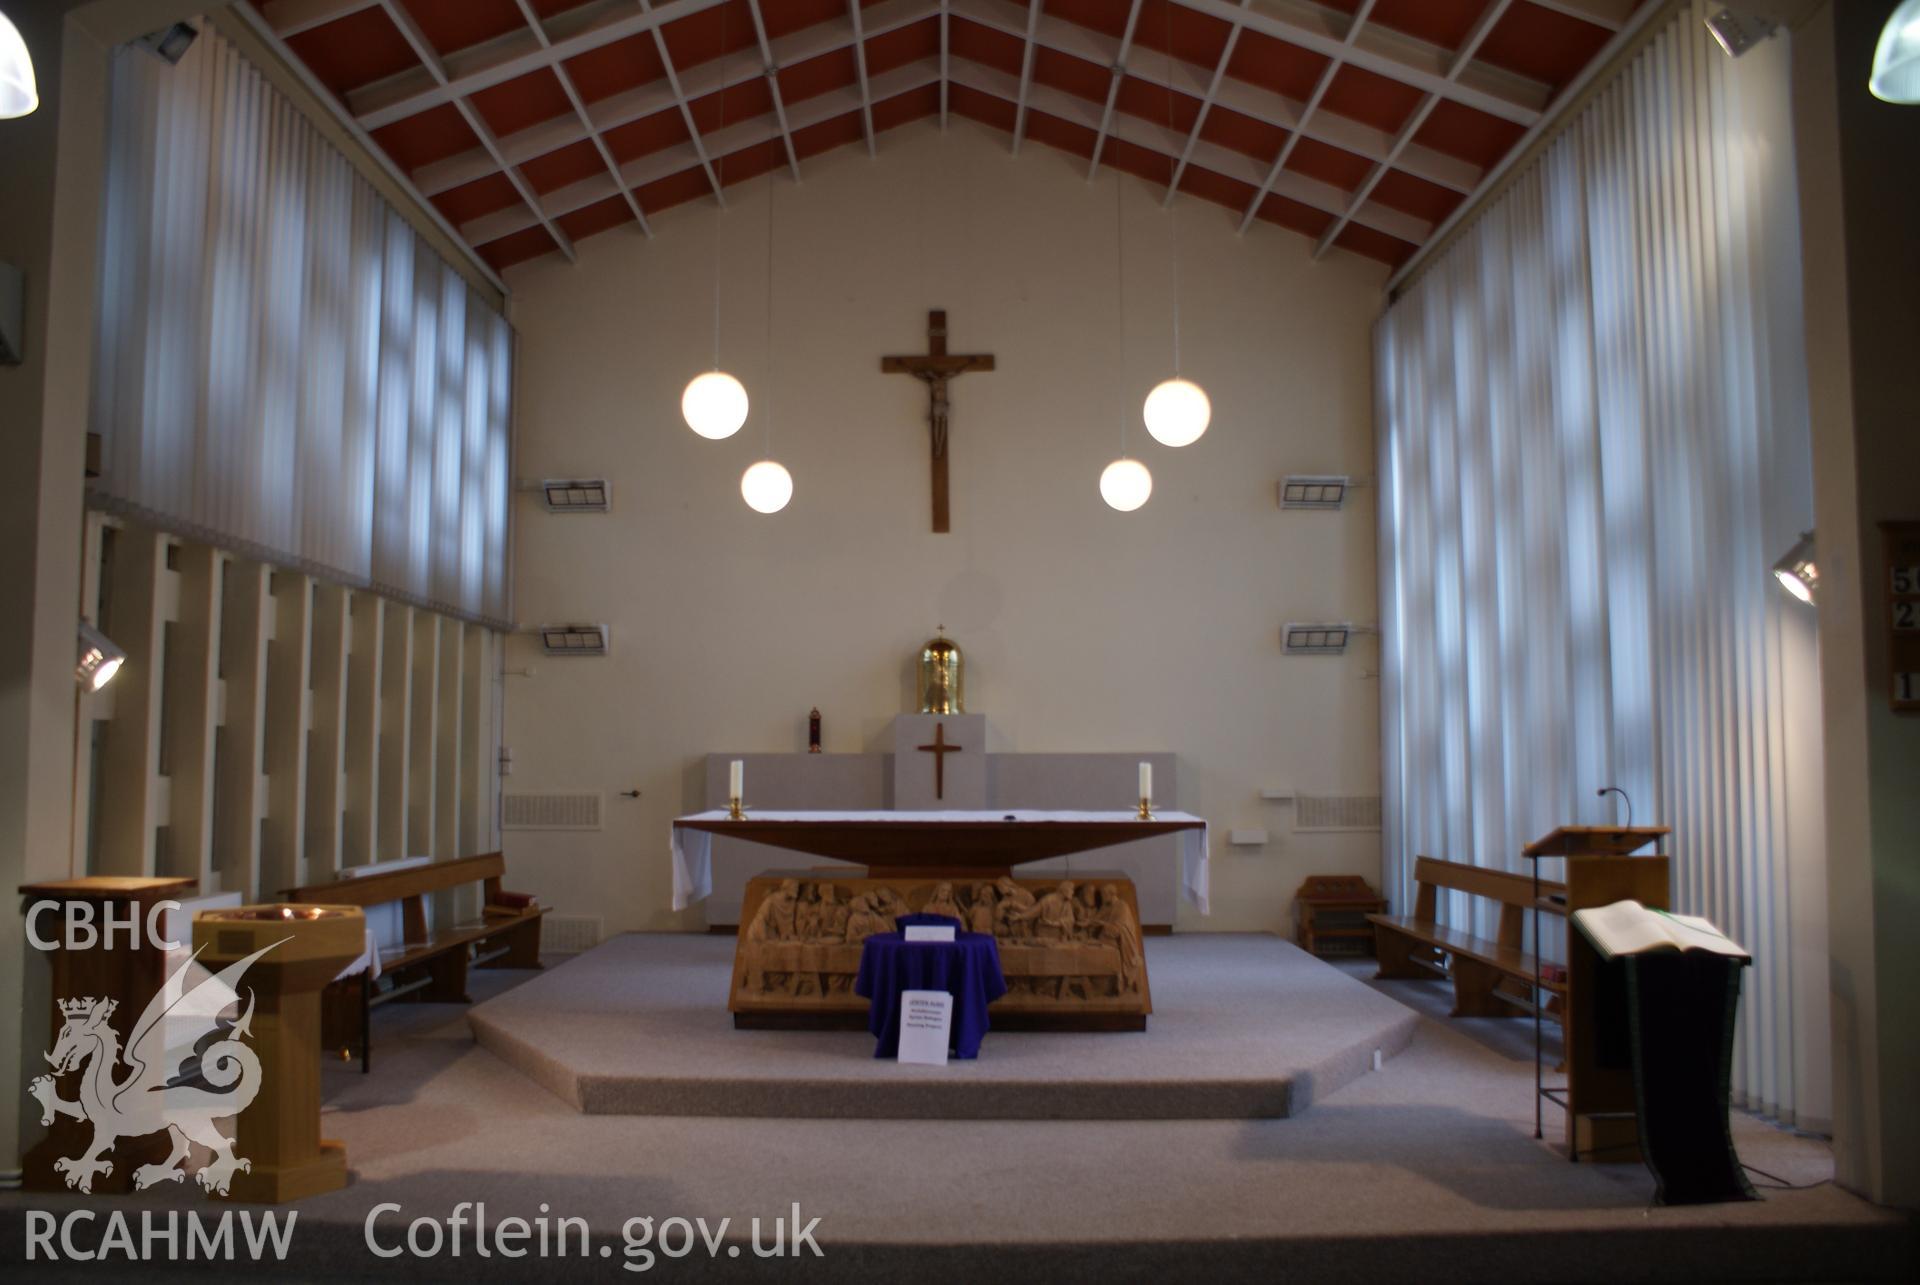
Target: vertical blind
(1593,443)
(283,366)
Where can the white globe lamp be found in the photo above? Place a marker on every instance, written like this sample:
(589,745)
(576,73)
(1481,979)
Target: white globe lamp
(19,95)
(1177,412)
(766,487)
(1896,60)
(1125,484)
(715,405)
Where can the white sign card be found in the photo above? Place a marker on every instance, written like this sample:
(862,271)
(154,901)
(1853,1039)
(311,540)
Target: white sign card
(926,1025)
(929,932)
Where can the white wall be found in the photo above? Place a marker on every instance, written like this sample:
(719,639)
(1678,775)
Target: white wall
(1084,629)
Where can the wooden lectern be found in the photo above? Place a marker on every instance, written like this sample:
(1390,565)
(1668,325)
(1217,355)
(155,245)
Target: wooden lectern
(1599,1101)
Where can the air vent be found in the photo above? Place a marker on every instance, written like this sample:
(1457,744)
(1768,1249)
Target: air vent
(573,640)
(569,934)
(1315,640)
(1313,491)
(1332,813)
(576,494)
(550,812)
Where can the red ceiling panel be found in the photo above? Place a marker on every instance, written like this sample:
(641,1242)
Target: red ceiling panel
(1063,134)
(1468,134)
(750,162)
(517,247)
(647,135)
(788,16)
(1373,100)
(732,105)
(1375,245)
(1276,65)
(1402,191)
(1154,103)
(451,26)
(568,165)
(1155,167)
(675,189)
(817,76)
(353,51)
(609,69)
(1077,76)
(1289,213)
(1100,15)
(1446,23)
(985,108)
(598,217)
(469,201)
(1218,188)
(512,105)
(915,104)
(1170,28)
(431,136)
(1317,160)
(906,44)
(984,45)
(1543,44)
(1244,134)
(704,36)
(824,136)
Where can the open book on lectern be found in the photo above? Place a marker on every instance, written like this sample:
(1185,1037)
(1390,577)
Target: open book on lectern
(1629,928)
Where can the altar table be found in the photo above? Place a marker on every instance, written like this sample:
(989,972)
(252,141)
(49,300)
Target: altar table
(983,842)
(967,968)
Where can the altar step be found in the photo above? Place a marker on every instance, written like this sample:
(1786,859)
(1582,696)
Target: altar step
(1245,1026)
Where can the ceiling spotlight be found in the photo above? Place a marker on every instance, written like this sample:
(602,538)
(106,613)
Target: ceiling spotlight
(715,405)
(766,487)
(100,658)
(169,44)
(1738,32)
(1177,412)
(1896,61)
(18,92)
(1125,484)
(1796,571)
(574,640)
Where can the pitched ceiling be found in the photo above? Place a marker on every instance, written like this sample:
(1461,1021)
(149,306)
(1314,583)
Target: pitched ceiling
(531,124)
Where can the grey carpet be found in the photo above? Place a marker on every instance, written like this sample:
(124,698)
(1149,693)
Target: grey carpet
(1246,1026)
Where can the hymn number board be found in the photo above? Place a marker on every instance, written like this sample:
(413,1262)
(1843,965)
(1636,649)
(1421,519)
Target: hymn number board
(1903,612)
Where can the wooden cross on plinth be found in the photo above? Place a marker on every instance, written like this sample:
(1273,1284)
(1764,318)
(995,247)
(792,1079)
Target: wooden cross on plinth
(940,749)
(936,366)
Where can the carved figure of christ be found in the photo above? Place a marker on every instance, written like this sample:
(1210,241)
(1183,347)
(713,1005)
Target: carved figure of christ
(935,367)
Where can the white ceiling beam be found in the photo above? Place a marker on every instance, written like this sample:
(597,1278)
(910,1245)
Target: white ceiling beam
(686,107)
(580,111)
(291,17)
(1034,8)
(860,65)
(430,58)
(1397,56)
(1608,14)
(1118,72)
(1482,28)
(1206,105)
(1320,88)
(773,86)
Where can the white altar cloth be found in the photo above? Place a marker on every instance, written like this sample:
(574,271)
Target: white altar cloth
(693,849)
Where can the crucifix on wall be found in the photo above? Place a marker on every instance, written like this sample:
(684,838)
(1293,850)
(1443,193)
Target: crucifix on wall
(936,366)
(939,749)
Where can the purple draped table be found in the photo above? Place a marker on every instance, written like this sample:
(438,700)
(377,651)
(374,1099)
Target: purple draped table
(967,968)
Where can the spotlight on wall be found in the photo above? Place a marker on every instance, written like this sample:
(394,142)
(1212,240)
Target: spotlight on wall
(1738,32)
(575,494)
(1896,61)
(19,94)
(1313,491)
(169,44)
(1796,571)
(1316,640)
(574,640)
(100,658)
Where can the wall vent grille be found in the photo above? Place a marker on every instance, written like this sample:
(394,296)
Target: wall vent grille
(569,934)
(550,812)
(1329,813)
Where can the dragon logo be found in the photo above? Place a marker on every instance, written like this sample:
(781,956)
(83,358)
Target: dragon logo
(186,1067)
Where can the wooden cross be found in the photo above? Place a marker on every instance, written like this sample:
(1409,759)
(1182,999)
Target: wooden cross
(936,366)
(940,749)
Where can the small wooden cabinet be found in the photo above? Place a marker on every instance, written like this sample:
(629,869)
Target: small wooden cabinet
(1330,916)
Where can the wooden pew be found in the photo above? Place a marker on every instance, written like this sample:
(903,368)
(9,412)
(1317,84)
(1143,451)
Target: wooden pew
(431,966)
(1491,978)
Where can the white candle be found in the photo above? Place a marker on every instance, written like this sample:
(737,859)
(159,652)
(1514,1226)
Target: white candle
(1146,780)
(736,779)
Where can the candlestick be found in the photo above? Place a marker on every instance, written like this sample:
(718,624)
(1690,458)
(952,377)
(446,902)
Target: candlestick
(813,731)
(1146,808)
(1146,780)
(734,811)
(736,778)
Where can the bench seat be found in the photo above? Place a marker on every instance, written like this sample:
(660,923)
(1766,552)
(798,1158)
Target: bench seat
(1491,977)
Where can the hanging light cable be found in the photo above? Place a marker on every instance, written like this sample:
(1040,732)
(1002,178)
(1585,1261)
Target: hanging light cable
(1125,484)
(715,403)
(766,486)
(1177,411)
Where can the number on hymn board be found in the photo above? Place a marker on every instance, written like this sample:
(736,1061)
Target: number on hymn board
(1906,687)
(1906,579)
(1906,615)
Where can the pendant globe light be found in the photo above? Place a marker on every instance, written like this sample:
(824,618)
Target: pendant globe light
(1125,484)
(1896,60)
(714,404)
(766,486)
(19,94)
(1178,410)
